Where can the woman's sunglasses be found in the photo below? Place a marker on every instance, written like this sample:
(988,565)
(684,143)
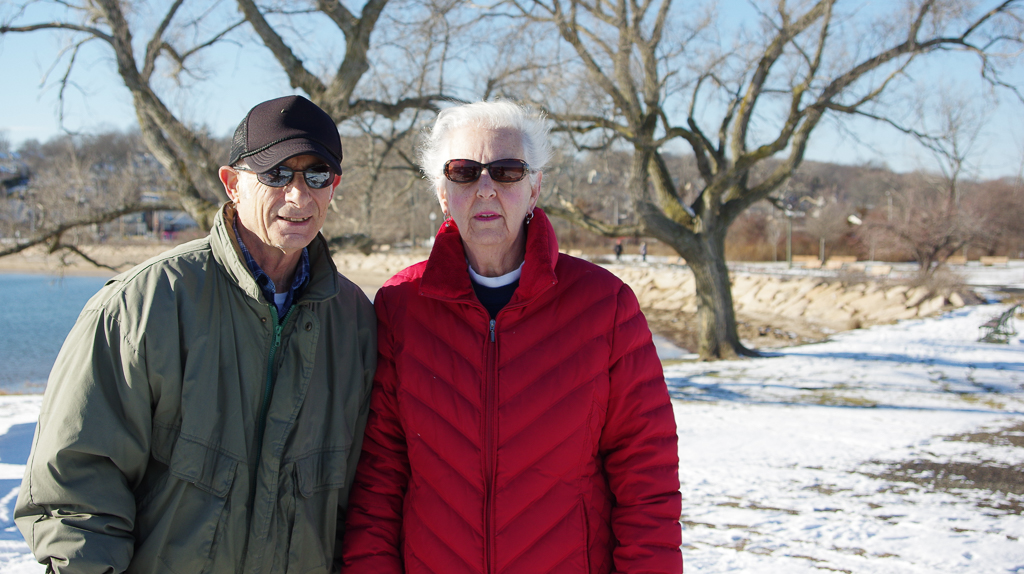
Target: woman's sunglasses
(501,170)
(317,176)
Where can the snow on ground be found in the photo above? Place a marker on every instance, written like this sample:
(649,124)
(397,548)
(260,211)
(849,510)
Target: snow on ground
(1008,275)
(854,455)
(832,457)
(18,414)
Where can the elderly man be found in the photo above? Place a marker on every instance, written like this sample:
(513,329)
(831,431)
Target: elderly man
(206,411)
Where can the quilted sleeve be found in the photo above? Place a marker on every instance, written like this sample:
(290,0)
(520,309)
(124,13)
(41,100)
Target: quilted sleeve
(374,520)
(640,451)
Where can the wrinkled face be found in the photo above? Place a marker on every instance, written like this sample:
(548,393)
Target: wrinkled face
(488,213)
(285,218)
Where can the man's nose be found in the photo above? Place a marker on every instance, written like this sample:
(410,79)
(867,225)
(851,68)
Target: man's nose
(297,191)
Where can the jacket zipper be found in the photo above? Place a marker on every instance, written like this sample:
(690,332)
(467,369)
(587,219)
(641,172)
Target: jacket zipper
(268,387)
(491,444)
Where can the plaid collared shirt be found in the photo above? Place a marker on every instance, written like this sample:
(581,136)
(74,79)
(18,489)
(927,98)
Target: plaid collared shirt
(267,285)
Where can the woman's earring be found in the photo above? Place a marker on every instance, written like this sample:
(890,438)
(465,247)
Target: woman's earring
(529,217)
(447,219)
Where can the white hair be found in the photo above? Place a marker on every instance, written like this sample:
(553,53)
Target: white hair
(496,115)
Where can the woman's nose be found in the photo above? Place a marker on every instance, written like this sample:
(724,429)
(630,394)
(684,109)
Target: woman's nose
(485,185)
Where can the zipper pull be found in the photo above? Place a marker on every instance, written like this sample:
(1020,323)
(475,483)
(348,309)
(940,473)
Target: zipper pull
(492,330)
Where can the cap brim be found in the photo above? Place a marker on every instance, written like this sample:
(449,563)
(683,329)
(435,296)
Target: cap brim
(277,154)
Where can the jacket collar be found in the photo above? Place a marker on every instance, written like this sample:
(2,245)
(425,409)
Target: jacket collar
(323,274)
(447,277)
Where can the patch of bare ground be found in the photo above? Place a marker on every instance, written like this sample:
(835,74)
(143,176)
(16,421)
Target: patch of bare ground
(755,331)
(1002,485)
(1011,436)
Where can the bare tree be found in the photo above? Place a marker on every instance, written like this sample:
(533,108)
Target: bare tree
(951,123)
(644,75)
(81,182)
(924,223)
(191,166)
(934,222)
(384,92)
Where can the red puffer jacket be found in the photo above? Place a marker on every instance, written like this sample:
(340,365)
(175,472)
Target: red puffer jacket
(542,441)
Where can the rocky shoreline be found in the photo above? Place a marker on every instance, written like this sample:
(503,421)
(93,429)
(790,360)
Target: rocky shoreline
(772,311)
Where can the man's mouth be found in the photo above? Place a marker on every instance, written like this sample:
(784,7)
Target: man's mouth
(294,219)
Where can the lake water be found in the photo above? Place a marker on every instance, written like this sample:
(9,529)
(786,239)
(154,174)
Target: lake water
(39,312)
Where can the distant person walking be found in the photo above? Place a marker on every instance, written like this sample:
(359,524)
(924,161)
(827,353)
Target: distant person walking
(643,251)
(618,249)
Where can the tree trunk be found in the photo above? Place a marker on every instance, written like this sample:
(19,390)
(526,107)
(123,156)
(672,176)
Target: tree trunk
(716,319)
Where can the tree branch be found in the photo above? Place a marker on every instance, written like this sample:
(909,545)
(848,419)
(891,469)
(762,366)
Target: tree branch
(95,32)
(298,75)
(156,41)
(568,211)
(52,235)
(67,246)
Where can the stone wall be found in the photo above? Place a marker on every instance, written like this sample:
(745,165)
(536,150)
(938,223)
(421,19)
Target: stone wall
(378,263)
(828,303)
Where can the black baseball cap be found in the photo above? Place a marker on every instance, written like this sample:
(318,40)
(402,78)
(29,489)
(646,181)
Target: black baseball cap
(283,128)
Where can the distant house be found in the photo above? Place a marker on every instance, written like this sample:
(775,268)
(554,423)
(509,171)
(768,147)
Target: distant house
(169,223)
(147,173)
(14,173)
(158,224)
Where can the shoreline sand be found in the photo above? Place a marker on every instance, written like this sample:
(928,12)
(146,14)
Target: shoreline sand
(36,261)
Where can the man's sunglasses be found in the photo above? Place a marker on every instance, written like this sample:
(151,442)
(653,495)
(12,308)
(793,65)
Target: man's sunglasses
(501,170)
(317,176)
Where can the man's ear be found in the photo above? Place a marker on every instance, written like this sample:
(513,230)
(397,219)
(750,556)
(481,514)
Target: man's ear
(229,177)
(334,186)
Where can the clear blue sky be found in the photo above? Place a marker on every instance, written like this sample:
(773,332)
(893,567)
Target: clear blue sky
(234,83)
(98,100)
(225,89)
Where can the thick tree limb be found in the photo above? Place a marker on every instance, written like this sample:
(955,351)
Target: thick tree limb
(156,42)
(357,45)
(568,211)
(293,67)
(53,234)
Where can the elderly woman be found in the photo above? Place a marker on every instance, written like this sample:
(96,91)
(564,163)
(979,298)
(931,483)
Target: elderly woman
(519,421)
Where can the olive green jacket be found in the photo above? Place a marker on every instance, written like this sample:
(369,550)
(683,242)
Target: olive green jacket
(185,430)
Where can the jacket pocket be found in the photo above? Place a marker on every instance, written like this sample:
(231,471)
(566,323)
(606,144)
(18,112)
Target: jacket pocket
(206,468)
(321,471)
(320,481)
(187,517)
